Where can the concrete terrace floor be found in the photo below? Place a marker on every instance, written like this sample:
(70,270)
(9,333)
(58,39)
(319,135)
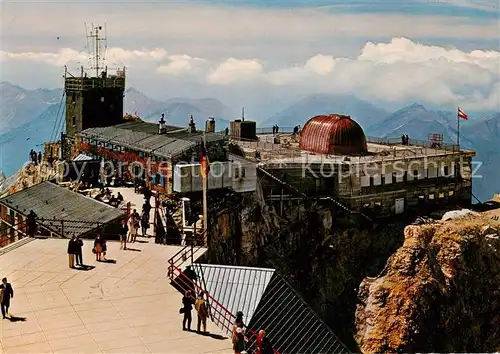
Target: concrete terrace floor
(123,307)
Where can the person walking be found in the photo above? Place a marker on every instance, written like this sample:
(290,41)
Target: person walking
(6,293)
(104,245)
(123,235)
(201,307)
(238,336)
(187,307)
(98,247)
(72,251)
(263,344)
(144,223)
(78,248)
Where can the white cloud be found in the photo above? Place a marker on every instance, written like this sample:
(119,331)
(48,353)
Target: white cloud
(180,64)
(66,56)
(485,5)
(400,70)
(234,70)
(320,64)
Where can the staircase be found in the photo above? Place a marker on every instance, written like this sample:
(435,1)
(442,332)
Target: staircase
(182,281)
(303,195)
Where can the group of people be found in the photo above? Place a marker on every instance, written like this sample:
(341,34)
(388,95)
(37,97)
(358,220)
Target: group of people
(238,335)
(75,246)
(130,227)
(405,139)
(75,251)
(35,158)
(275,129)
(239,338)
(201,307)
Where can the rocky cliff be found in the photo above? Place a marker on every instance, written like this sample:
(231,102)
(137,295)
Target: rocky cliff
(439,292)
(323,253)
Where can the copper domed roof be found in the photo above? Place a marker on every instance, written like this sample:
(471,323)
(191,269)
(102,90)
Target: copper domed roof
(333,134)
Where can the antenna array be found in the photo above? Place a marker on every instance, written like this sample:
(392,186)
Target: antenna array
(97,54)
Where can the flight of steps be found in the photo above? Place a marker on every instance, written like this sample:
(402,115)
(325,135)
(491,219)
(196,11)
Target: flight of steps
(15,245)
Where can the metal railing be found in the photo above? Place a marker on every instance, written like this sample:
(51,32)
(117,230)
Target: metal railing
(269,130)
(218,313)
(413,142)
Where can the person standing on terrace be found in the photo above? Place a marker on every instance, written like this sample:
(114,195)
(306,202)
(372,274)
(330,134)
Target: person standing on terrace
(187,306)
(6,293)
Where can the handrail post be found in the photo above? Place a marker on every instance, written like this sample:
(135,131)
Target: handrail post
(192,253)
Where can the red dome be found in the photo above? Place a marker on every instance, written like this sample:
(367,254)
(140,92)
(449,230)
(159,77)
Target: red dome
(333,134)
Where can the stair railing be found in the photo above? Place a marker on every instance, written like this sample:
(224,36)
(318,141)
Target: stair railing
(220,315)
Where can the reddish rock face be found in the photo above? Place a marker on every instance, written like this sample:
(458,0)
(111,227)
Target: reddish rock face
(333,134)
(437,293)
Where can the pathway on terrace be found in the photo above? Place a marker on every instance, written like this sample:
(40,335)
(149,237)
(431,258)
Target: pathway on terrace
(123,307)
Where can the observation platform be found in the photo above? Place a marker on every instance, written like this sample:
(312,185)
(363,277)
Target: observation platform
(124,306)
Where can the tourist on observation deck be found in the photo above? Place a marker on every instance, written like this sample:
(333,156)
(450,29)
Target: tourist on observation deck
(144,223)
(238,335)
(98,248)
(201,307)
(187,306)
(263,344)
(72,251)
(6,293)
(78,249)
(123,235)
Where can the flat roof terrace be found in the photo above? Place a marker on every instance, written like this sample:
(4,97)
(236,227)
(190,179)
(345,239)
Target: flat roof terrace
(381,150)
(123,307)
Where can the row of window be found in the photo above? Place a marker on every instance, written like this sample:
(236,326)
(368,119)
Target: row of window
(118,148)
(376,180)
(431,196)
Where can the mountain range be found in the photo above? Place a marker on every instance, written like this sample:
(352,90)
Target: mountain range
(28,118)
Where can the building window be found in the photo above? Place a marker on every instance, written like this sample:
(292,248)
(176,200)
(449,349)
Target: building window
(415,174)
(441,195)
(446,171)
(73,97)
(431,196)
(243,172)
(451,193)
(102,99)
(153,179)
(162,180)
(73,120)
(236,173)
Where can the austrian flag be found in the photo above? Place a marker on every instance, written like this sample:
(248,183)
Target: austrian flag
(462,114)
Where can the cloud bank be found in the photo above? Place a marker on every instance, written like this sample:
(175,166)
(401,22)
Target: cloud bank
(399,70)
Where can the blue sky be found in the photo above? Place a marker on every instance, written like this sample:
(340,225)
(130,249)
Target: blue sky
(467,8)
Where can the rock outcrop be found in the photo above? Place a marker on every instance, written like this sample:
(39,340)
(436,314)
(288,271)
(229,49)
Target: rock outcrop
(439,292)
(26,177)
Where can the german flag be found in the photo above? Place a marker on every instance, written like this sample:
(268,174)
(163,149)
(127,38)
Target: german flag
(205,164)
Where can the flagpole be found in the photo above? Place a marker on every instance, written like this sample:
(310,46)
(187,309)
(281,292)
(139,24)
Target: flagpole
(205,216)
(458,128)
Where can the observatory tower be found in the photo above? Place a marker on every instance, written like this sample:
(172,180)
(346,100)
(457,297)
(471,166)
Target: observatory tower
(94,99)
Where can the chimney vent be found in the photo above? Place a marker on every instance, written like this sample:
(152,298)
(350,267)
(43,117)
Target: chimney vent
(161,125)
(192,125)
(210,125)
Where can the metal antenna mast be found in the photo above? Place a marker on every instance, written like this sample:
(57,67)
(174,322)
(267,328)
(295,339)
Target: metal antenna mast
(98,55)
